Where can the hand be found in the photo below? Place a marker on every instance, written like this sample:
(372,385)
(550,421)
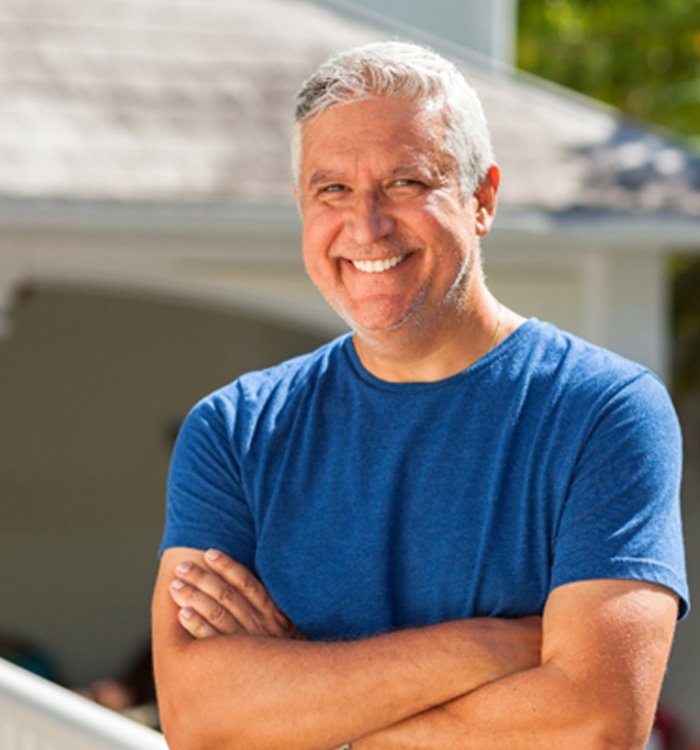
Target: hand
(225,598)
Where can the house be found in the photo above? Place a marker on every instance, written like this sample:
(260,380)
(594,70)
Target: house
(149,252)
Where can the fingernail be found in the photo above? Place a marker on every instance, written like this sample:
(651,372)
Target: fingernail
(186,612)
(177,584)
(212,554)
(183,567)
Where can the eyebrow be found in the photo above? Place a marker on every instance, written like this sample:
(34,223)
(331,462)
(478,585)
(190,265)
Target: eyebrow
(410,167)
(317,178)
(320,177)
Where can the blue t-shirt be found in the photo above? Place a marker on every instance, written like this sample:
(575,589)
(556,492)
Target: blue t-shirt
(366,506)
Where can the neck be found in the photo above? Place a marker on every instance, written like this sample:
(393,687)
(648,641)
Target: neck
(436,355)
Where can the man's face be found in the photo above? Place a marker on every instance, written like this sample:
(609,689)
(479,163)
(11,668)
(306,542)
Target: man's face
(387,238)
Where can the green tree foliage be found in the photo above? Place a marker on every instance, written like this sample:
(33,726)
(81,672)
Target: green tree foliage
(642,56)
(686,325)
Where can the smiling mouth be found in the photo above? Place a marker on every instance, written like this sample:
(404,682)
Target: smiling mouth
(378,266)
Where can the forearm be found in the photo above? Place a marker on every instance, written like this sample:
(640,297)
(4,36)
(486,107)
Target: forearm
(540,708)
(605,647)
(254,692)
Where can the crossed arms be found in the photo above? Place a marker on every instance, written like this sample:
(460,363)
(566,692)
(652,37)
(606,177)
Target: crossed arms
(232,671)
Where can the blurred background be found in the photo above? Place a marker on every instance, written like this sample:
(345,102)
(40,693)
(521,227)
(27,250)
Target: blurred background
(149,252)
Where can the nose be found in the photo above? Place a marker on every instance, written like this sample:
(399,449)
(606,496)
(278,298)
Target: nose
(369,219)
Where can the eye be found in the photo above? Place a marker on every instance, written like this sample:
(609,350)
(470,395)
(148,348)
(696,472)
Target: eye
(407,185)
(335,187)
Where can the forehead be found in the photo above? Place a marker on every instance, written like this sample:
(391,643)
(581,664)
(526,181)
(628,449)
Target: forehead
(379,131)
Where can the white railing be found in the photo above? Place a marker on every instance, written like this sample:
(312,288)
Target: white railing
(37,715)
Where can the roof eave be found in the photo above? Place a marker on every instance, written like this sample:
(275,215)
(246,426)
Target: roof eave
(110,215)
(655,231)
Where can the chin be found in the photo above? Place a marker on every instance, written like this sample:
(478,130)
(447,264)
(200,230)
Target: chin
(379,327)
(387,332)
(371,326)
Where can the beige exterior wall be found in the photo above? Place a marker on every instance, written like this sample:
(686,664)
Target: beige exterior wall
(92,383)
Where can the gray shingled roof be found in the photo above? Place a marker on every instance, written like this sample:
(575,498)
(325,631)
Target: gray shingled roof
(189,102)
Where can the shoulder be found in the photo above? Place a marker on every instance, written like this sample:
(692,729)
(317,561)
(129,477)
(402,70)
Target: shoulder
(579,391)
(292,375)
(554,350)
(581,372)
(262,394)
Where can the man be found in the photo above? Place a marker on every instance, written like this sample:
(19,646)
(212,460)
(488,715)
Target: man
(387,518)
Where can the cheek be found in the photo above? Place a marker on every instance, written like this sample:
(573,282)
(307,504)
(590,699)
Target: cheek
(319,232)
(448,225)
(436,214)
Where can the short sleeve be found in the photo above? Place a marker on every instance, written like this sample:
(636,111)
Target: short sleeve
(206,506)
(621,518)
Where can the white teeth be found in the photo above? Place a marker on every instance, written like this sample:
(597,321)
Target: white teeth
(377,266)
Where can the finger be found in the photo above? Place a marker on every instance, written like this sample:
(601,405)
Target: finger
(206,581)
(266,621)
(212,585)
(240,578)
(233,617)
(195,625)
(229,613)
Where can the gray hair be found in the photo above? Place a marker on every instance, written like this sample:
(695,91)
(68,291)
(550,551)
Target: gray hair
(407,71)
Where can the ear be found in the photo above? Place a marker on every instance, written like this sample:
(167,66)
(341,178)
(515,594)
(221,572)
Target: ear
(486,200)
